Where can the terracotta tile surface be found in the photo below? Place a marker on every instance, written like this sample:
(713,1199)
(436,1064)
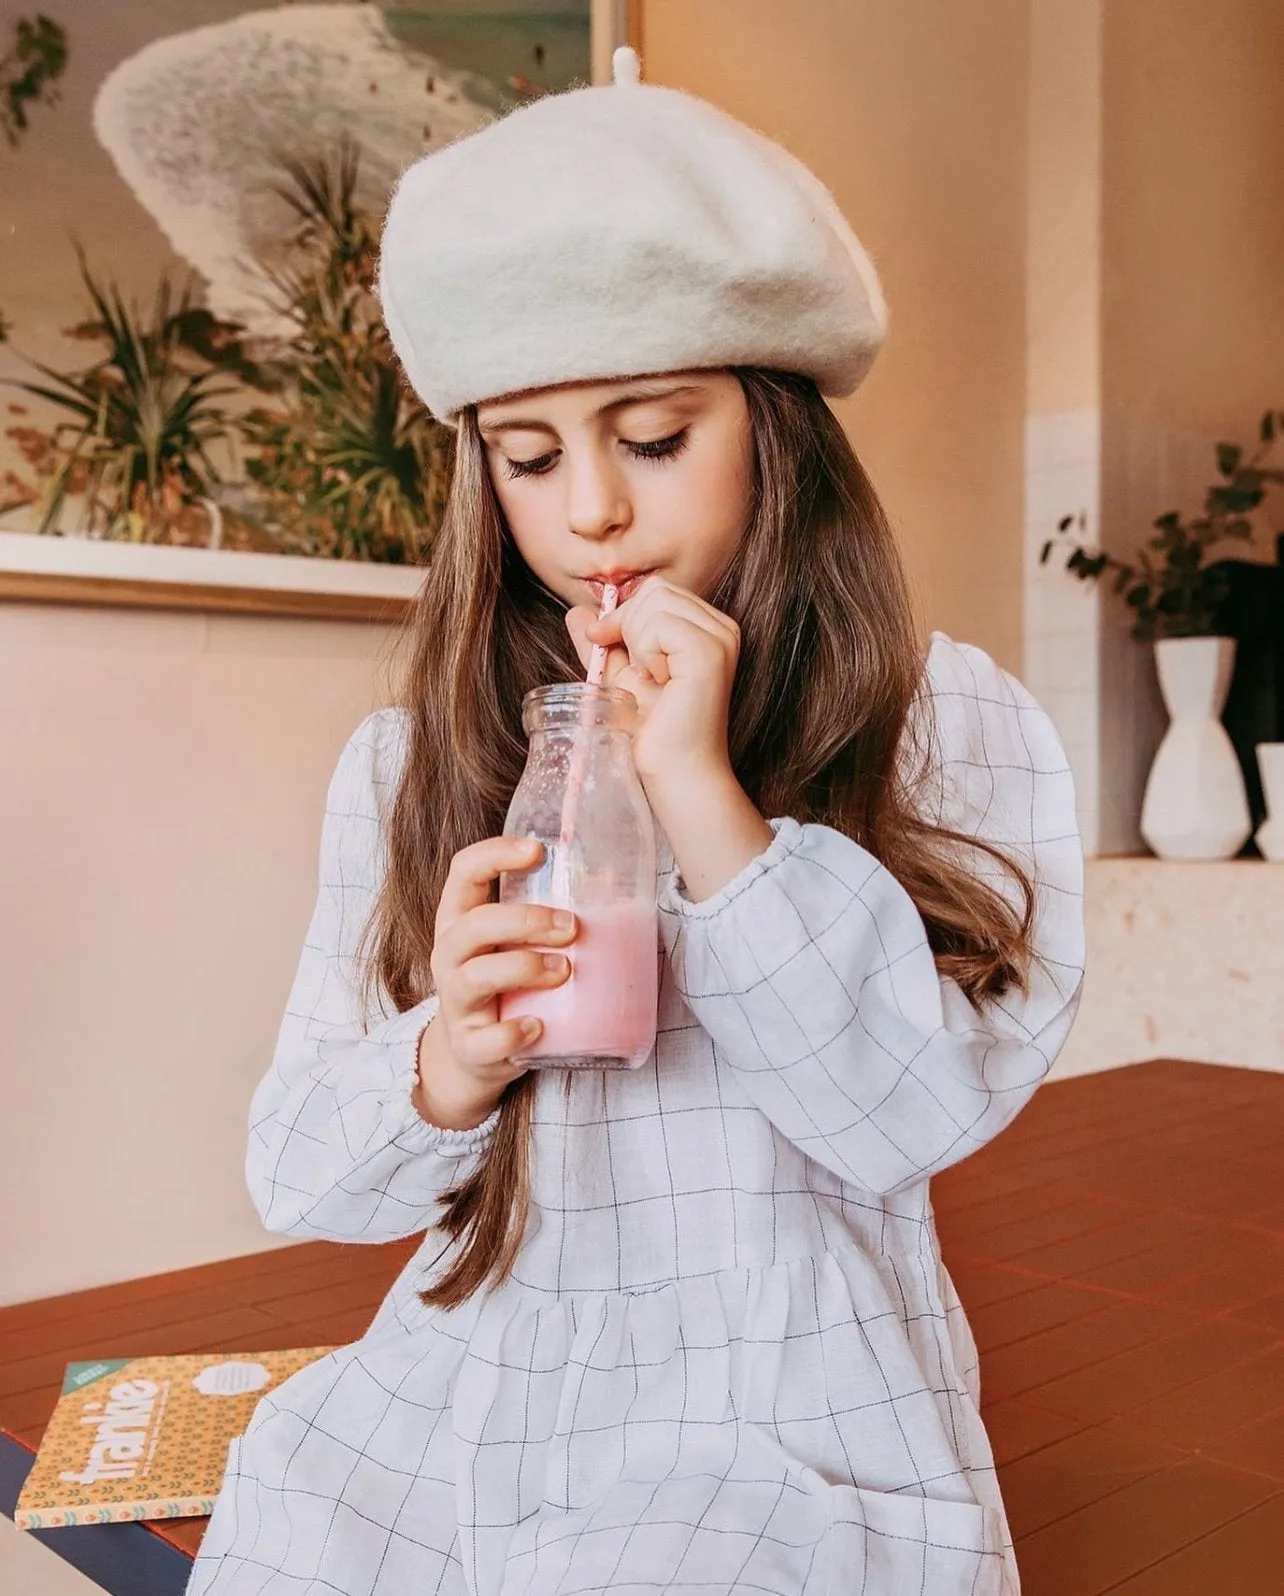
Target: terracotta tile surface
(1201,1248)
(338,1328)
(1258,1446)
(1163,1368)
(1083,1468)
(1026,1365)
(971,1210)
(1171,1482)
(1227,1288)
(108,1322)
(1108,1243)
(1018,1428)
(1049,1304)
(1033,1233)
(1243,1558)
(983,1284)
(1120,1251)
(1088,1551)
(1202,1414)
(366,1292)
(1269,1312)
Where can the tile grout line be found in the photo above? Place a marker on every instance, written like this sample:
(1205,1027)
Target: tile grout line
(1178,1550)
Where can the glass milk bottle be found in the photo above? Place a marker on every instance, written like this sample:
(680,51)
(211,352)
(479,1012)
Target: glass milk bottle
(581,797)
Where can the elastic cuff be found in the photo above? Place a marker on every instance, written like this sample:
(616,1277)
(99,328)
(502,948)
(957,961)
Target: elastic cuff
(403,1121)
(673,901)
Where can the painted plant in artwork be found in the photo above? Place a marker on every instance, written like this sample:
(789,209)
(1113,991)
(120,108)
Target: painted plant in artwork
(190,346)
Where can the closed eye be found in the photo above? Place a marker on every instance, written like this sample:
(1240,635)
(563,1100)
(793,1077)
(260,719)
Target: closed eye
(660,448)
(537,467)
(656,449)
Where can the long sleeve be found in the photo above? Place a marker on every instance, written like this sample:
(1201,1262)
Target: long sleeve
(812,972)
(336,1147)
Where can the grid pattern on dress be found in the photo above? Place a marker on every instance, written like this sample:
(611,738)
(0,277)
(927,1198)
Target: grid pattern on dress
(730,1359)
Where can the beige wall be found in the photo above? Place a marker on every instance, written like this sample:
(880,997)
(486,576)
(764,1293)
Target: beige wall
(914,115)
(1156,212)
(1193,218)
(161,785)
(1063,276)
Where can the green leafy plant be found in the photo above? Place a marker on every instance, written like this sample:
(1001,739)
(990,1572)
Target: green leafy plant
(142,423)
(342,459)
(1171,588)
(348,463)
(29,70)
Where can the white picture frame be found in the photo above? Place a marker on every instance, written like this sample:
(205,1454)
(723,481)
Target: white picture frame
(82,570)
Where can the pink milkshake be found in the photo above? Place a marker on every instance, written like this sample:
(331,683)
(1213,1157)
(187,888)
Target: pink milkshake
(603,1017)
(581,798)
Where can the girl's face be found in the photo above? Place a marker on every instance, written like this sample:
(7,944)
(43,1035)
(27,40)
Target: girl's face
(614,481)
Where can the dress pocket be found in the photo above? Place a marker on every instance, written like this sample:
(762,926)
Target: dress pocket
(906,1545)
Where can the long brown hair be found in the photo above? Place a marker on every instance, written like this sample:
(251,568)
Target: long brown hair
(820,721)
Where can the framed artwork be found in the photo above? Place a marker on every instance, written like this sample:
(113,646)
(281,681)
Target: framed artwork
(198,404)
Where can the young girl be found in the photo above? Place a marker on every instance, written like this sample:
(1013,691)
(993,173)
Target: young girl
(685,1328)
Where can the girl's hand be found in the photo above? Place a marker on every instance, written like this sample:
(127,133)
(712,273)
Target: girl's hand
(482,949)
(677,655)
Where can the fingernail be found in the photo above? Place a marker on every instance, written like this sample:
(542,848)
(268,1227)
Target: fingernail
(531,1029)
(554,963)
(563,920)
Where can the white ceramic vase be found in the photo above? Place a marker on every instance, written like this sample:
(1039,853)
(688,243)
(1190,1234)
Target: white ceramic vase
(1270,834)
(1195,805)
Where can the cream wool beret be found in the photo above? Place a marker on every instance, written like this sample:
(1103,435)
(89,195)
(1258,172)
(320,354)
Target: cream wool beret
(614,232)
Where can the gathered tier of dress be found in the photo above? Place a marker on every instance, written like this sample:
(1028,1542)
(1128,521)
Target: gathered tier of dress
(729,1358)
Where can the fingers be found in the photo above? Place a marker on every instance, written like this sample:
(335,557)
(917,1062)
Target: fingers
(660,621)
(633,679)
(473,869)
(480,981)
(500,947)
(491,926)
(654,595)
(666,645)
(483,950)
(486,1047)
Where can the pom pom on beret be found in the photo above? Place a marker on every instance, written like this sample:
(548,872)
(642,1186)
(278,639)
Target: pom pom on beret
(616,232)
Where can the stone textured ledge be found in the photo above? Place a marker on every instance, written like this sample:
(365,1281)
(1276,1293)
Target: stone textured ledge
(1184,961)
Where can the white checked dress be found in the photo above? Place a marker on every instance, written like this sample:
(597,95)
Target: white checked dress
(730,1359)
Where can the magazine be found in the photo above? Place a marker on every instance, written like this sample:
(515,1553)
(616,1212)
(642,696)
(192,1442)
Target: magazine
(139,1438)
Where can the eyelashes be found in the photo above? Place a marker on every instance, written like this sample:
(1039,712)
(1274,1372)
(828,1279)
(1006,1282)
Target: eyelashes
(662,448)
(538,467)
(659,450)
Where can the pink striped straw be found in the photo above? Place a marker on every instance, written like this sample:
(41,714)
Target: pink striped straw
(561,882)
(597,660)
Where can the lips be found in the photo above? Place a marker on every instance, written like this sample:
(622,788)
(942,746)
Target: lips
(626,583)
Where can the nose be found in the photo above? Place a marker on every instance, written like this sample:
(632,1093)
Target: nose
(597,503)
